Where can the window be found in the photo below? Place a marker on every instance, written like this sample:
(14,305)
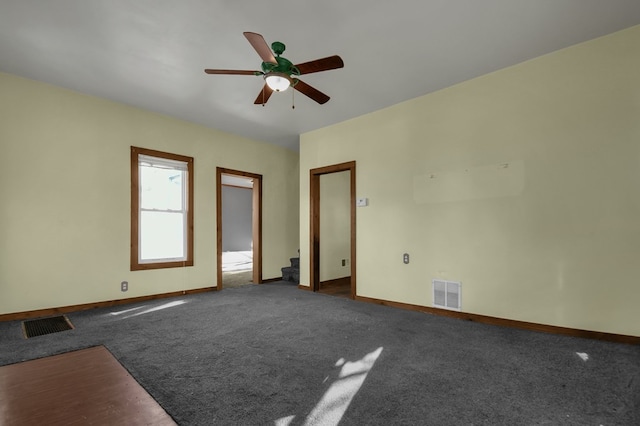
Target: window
(161,209)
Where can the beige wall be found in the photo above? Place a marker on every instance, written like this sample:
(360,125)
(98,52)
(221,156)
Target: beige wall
(65,191)
(335,225)
(523,184)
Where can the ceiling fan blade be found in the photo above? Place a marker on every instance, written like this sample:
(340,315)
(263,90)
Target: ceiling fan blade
(311,92)
(231,72)
(324,64)
(264,95)
(261,46)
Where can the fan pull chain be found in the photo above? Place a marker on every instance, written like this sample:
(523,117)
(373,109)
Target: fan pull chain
(293,104)
(263,96)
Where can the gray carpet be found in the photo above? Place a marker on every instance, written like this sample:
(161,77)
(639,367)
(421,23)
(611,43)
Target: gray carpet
(274,355)
(233,279)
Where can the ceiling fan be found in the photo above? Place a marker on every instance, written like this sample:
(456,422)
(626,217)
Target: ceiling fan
(279,73)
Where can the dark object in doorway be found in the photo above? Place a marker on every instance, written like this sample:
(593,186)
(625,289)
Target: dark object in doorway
(292,273)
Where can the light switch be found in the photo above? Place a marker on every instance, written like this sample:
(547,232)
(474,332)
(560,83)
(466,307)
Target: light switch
(362,202)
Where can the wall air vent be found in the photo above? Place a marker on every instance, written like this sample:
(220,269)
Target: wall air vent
(447,294)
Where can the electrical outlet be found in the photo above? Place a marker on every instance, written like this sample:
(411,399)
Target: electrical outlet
(124,286)
(405,258)
(344,262)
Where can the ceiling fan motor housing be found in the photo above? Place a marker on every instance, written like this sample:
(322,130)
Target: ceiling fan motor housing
(278,47)
(283,66)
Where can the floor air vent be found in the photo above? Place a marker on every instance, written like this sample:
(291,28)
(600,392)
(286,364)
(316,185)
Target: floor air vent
(446,294)
(40,327)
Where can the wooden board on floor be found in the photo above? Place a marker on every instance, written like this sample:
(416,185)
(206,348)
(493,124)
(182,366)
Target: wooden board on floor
(87,386)
(340,287)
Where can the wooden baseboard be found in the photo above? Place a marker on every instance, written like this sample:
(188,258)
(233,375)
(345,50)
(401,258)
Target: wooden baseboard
(611,337)
(304,287)
(74,308)
(271,280)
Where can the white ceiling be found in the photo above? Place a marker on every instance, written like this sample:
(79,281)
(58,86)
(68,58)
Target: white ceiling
(151,53)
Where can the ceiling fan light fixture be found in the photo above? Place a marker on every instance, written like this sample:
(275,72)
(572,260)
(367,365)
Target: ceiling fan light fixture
(277,81)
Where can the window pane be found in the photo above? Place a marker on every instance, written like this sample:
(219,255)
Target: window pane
(161,235)
(161,210)
(161,188)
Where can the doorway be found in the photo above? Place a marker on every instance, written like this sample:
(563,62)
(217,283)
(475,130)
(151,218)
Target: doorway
(238,249)
(332,286)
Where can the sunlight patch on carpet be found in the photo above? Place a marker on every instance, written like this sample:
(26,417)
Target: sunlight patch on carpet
(126,311)
(583,356)
(158,308)
(237,261)
(285,421)
(336,400)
